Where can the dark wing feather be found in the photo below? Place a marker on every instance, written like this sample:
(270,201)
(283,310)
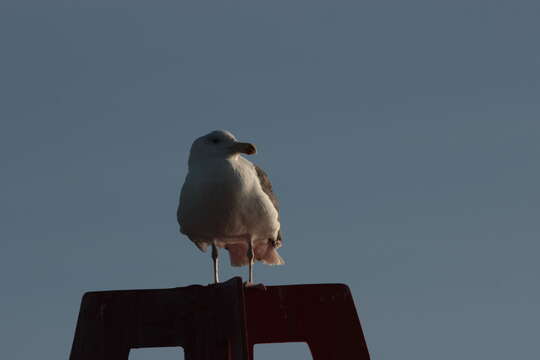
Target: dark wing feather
(266,186)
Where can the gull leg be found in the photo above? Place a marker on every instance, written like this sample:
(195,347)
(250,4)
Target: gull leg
(215,261)
(250,256)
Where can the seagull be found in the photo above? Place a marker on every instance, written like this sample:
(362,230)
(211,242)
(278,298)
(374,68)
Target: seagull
(227,202)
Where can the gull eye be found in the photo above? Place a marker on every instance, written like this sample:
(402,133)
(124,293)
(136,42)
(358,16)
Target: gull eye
(215,141)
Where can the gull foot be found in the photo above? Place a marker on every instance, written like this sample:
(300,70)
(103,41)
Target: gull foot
(250,285)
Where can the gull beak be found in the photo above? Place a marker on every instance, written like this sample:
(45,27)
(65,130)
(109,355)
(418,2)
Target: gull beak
(244,148)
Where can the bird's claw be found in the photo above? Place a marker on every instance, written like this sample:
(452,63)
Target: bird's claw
(251,285)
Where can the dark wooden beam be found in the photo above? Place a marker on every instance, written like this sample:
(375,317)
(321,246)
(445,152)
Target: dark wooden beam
(322,315)
(207,321)
(219,322)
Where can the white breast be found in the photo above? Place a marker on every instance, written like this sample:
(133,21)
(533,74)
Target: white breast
(225,200)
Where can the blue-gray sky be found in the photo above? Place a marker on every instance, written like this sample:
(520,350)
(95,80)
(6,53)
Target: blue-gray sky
(402,138)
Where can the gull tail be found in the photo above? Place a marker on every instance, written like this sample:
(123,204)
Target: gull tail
(267,252)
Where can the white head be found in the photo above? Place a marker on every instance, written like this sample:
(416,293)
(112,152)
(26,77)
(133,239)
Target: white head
(219,144)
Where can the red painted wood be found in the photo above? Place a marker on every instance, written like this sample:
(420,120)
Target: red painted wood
(219,322)
(207,321)
(323,316)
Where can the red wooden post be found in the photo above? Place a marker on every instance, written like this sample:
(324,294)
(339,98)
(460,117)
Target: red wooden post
(219,322)
(207,321)
(323,316)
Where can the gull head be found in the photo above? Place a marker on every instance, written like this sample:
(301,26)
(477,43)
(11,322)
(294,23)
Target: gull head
(219,144)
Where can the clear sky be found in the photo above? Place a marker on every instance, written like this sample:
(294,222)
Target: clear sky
(402,138)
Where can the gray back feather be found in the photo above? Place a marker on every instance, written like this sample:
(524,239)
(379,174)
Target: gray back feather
(266,186)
